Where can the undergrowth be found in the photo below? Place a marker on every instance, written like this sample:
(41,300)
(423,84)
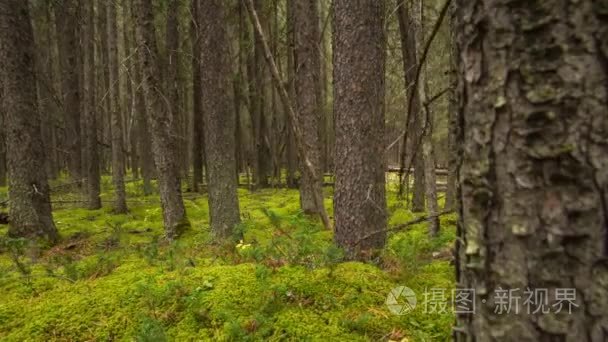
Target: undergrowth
(114,277)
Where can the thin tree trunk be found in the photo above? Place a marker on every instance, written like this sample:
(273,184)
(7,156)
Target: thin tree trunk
(172,81)
(118,156)
(29,192)
(130,104)
(105,113)
(258,105)
(144,141)
(359,60)
(307,69)
(197,105)
(428,150)
(533,175)
(90,99)
(450,193)
(219,120)
(67,32)
(410,61)
(163,142)
(291,151)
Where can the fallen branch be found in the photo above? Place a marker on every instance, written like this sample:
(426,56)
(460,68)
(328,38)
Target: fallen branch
(403,225)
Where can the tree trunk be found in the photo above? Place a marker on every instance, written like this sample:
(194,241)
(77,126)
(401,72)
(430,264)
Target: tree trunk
(3,166)
(307,63)
(130,102)
(197,105)
(67,32)
(105,114)
(90,100)
(410,61)
(533,175)
(359,59)
(219,120)
(49,118)
(450,193)
(163,143)
(144,141)
(42,25)
(29,193)
(291,152)
(257,93)
(118,156)
(428,151)
(172,81)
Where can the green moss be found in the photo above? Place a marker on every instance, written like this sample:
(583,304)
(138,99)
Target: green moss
(113,277)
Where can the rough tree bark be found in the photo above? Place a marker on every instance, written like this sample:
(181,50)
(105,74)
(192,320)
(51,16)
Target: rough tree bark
(29,193)
(3,166)
(219,119)
(307,68)
(533,170)
(90,84)
(69,49)
(163,143)
(359,59)
(118,156)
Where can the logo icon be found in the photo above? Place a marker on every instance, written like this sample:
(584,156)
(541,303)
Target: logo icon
(401,300)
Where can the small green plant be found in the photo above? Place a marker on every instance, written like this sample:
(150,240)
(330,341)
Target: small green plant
(16,248)
(150,330)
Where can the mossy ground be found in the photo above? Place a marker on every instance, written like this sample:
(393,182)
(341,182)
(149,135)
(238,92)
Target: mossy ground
(113,277)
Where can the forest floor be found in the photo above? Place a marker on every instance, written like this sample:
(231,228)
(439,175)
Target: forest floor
(112,277)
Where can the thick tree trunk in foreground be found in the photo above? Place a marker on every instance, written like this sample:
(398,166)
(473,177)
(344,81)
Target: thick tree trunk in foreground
(29,193)
(533,191)
(66,16)
(307,62)
(163,143)
(90,83)
(359,58)
(118,156)
(3,166)
(219,119)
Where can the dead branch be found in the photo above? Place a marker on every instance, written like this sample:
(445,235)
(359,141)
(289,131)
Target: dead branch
(421,62)
(403,225)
